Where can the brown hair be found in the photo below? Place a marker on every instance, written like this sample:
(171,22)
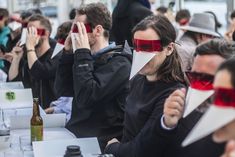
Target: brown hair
(4,12)
(63,30)
(97,14)
(171,69)
(43,21)
(221,47)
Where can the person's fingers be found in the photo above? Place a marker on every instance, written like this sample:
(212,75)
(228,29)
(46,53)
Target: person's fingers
(83,29)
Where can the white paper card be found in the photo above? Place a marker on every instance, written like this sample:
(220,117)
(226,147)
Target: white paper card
(11,85)
(14,25)
(57,148)
(140,59)
(213,119)
(49,121)
(57,49)
(194,99)
(23,36)
(73,38)
(22,98)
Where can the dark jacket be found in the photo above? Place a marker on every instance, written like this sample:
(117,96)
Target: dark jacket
(154,141)
(100,90)
(40,77)
(125,16)
(144,103)
(64,76)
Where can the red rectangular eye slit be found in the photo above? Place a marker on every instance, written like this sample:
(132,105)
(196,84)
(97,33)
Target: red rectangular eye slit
(88,28)
(41,32)
(200,81)
(61,41)
(224,97)
(147,45)
(24,24)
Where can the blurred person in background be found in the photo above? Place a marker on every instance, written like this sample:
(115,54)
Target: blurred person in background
(161,10)
(36,69)
(200,28)
(65,89)
(126,15)
(182,18)
(72,13)
(231,28)
(4,32)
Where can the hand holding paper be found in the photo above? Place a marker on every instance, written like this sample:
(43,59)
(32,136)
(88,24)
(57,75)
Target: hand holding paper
(32,38)
(174,107)
(81,37)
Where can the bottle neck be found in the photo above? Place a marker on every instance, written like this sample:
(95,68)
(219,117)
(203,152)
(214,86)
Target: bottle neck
(36,111)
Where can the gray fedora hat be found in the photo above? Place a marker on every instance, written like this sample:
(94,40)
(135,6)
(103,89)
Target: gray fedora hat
(202,23)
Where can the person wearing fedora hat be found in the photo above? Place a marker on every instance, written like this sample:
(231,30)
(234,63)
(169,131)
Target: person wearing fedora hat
(200,28)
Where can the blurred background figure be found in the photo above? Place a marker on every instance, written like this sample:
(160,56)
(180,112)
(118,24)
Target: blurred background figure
(228,35)
(182,18)
(125,16)
(161,10)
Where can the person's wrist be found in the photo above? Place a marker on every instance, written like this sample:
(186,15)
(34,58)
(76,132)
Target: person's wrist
(167,123)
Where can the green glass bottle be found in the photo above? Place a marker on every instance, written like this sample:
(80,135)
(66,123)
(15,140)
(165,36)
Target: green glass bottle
(36,123)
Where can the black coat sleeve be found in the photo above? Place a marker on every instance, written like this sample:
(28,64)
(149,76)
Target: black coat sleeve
(64,76)
(45,70)
(151,141)
(92,85)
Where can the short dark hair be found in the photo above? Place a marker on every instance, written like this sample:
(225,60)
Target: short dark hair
(221,47)
(182,14)
(97,14)
(26,14)
(4,12)
(171,69)
(43,21)
(162,9)
(63,30)
(232,15)
(229,65)
(72,13)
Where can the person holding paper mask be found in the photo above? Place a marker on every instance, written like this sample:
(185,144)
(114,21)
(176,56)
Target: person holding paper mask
(37,71)
(156,72)
(208,57)
(167,130)
(221,113)
(99,76)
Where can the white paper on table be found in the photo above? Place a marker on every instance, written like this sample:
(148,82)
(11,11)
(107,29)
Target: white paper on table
(194,99)
(11,85)
(140,59)
(215,118)
(57,148)
(49,121)
(14,25)
(23,99)
(57,49)
(23,36)
(73,38)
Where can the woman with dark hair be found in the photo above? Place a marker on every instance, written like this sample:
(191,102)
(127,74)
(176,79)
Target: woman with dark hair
(156,80)
(126,15)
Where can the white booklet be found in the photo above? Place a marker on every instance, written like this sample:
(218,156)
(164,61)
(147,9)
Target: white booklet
(16,98)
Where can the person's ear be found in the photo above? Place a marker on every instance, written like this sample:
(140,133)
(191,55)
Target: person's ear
(98,30)
(170,49)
